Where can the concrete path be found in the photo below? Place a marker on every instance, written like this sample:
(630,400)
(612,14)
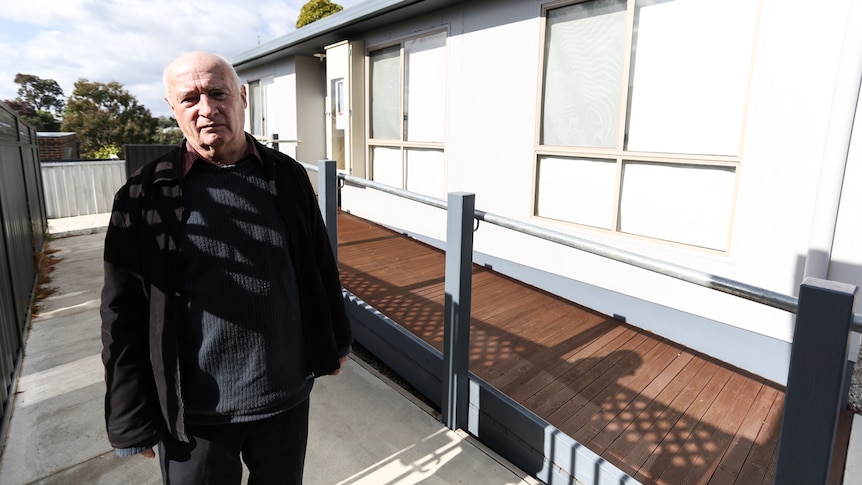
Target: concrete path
(364,429)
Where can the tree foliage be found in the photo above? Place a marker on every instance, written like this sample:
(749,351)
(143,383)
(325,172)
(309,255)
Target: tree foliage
(107,152)
(39,101)
(167,131)
(106,114)
(315,10)
(41,94)
(41,120)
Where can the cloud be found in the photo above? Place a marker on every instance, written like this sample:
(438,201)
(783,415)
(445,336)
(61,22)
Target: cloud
(130,41)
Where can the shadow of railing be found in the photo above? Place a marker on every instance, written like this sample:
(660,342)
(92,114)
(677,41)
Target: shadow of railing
(658,411)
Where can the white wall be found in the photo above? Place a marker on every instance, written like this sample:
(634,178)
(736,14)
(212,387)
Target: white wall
(311,107)
(282,120)
(493,83)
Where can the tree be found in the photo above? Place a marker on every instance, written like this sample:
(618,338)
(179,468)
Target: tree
(41,120)
(167,131)
(41,94)
(315,10)
(107,152)
(106,114)
(38,102)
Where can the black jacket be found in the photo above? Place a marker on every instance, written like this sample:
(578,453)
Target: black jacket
(139,334)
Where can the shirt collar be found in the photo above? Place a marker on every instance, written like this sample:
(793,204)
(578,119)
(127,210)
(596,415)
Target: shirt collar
(190,155)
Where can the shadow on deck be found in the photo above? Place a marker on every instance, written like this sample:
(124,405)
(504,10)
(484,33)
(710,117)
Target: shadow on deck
(658,411)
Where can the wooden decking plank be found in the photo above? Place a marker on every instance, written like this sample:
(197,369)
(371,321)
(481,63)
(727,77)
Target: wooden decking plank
(506,317)
(365,254)
(521,388)
(587,421)
(404,272)
(712,432)
(744,442)
(555,360)
(662,456)
(561,330)
(543,351)
(486,285)
(368,250)
(523,317)
(668,430)
(614,367)
(761,460)
(646,431)
(718,445)
(634,409)
(582,374)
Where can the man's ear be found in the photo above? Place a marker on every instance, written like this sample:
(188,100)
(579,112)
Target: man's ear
(243,96)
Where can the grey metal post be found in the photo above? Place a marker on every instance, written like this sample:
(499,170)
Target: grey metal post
(816,383)
(274,138)
(456,324)
(327,198)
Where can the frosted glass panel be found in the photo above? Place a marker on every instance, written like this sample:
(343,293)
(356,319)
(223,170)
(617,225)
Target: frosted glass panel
(577,190)
(425,93)
(690,74)
(425,172)
(690,205)
(386,113)
(255,95)
(386,166)
(584,48)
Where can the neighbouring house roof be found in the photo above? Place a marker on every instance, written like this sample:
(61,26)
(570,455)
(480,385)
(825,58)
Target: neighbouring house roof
(54,134)
(311,38)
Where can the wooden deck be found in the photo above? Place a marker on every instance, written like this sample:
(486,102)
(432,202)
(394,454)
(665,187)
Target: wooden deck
(661,412)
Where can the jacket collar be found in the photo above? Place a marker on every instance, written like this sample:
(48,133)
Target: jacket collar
(173,166)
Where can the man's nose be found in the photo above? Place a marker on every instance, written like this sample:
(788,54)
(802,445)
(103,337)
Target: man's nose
(207,106)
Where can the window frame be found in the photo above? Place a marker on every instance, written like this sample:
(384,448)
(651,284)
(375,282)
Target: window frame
(403,144)
(619,154)
(256,99)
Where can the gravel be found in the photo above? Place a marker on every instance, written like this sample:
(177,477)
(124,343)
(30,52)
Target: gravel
(855,401)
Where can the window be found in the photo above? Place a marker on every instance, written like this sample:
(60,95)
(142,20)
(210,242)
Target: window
(642,116)
(255,108)
(259,98)
(407,132)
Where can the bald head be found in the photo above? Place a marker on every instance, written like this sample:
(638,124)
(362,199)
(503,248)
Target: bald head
(199,58)
(208,101)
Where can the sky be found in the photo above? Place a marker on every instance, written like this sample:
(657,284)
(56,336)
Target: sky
(130,41)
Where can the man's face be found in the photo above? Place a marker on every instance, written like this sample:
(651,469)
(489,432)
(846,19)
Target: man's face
(207,103)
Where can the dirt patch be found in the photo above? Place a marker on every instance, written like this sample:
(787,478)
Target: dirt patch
(45,262)
(384,370)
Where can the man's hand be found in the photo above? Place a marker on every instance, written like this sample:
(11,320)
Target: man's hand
(148,453)
(341,362)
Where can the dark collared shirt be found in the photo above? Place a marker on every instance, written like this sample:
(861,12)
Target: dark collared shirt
(190,155)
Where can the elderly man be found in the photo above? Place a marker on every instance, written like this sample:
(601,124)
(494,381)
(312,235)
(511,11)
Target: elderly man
(221,300)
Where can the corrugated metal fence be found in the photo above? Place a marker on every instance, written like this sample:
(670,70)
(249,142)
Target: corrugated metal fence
(23,224)
(81,188)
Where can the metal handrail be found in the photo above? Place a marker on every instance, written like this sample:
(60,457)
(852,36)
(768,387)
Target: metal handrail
(266,140)
(725,285)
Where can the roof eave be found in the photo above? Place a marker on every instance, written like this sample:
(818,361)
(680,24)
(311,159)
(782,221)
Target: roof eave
(313,37)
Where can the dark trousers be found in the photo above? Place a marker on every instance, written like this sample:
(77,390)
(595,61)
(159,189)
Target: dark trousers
(273,449)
